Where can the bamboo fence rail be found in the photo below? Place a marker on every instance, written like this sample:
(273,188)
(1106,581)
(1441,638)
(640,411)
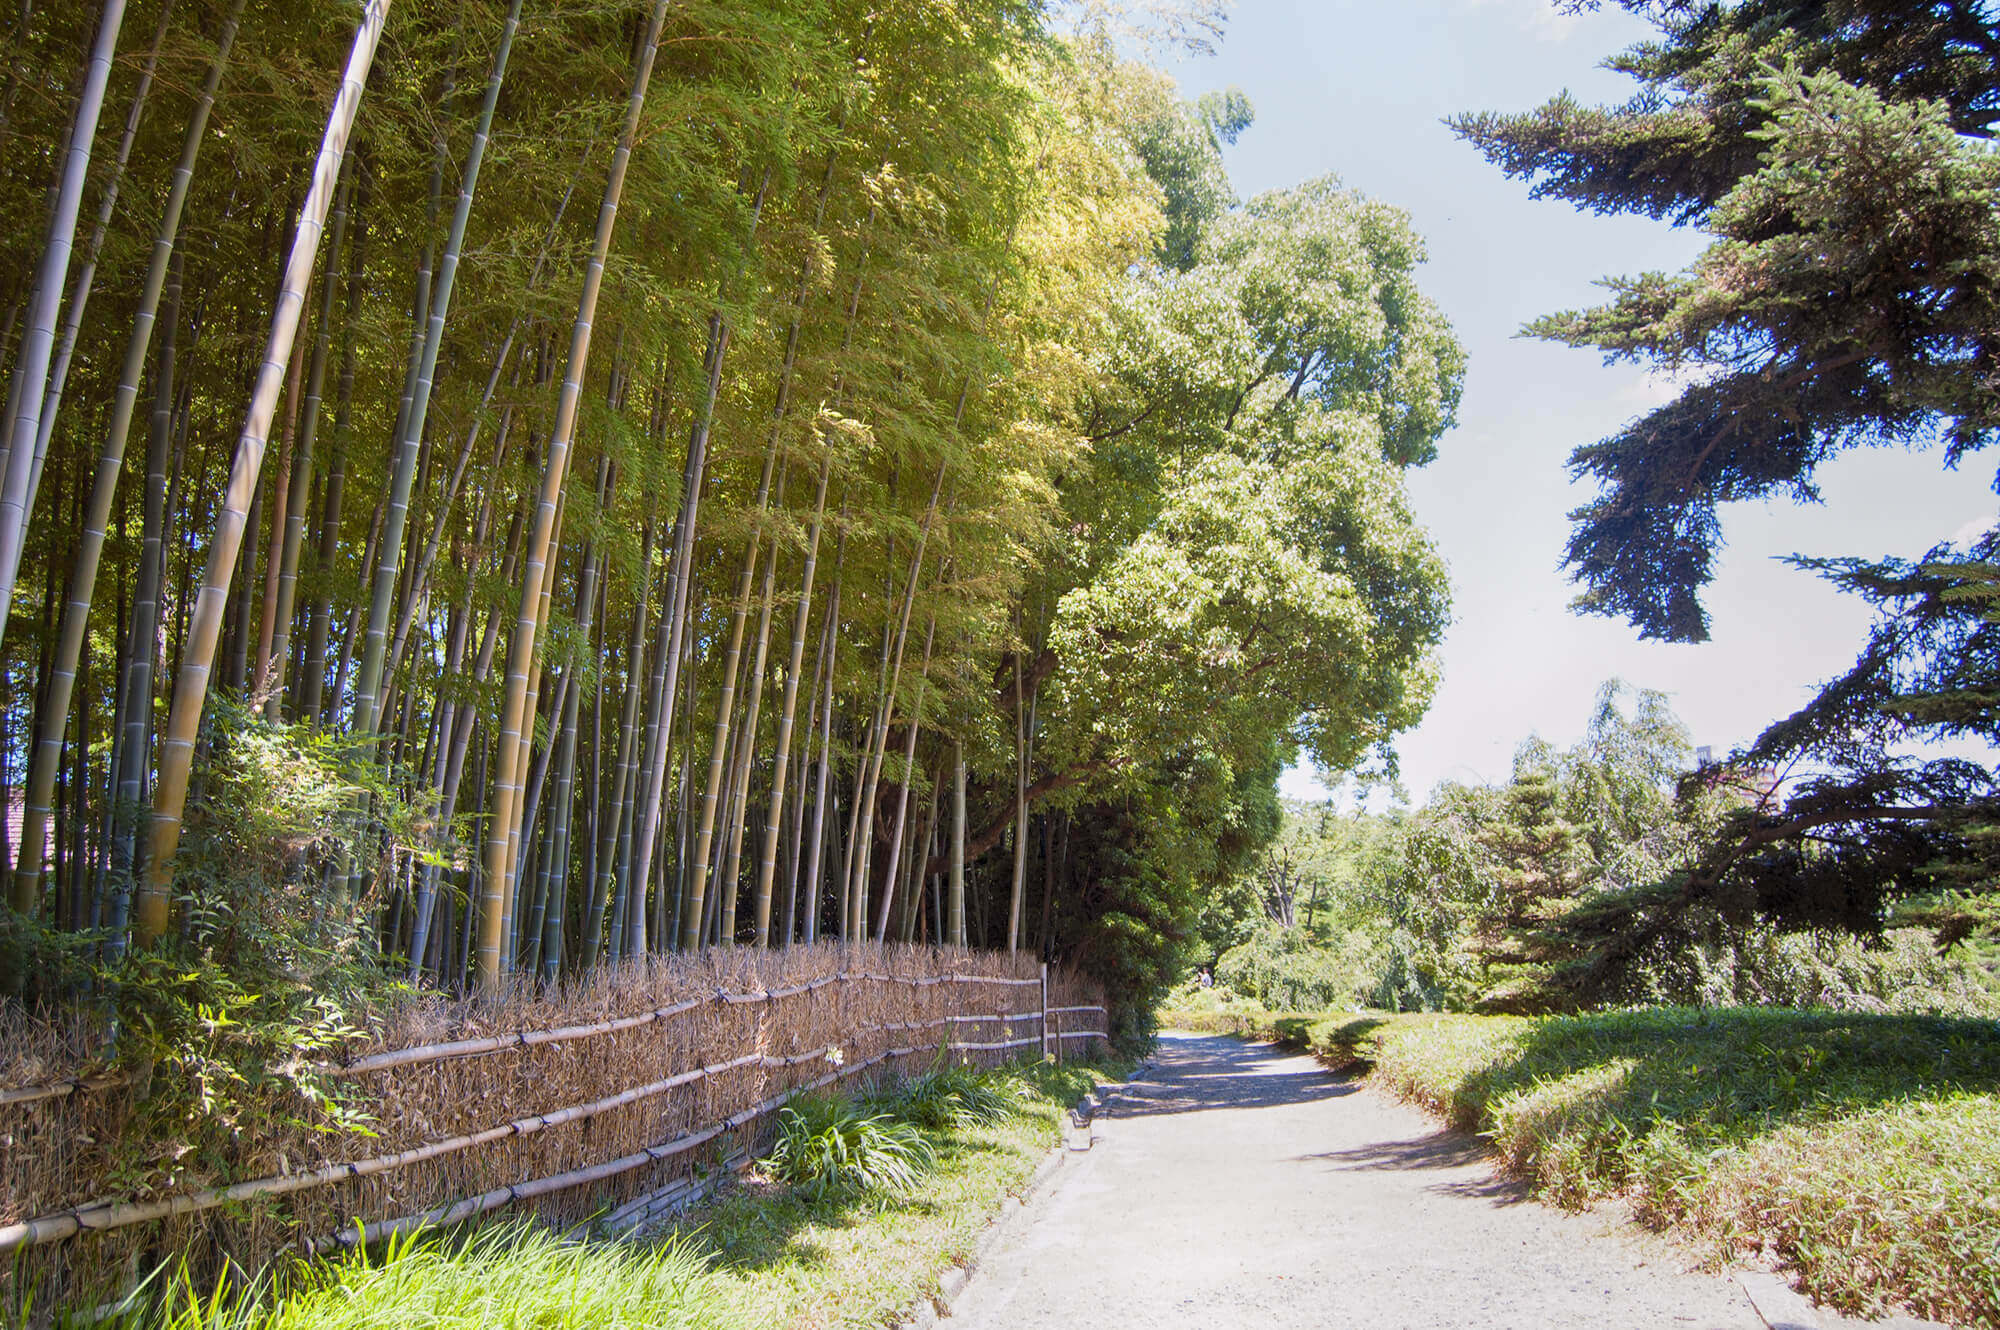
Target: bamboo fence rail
(460,1048)
(839,1029)
(28,1094)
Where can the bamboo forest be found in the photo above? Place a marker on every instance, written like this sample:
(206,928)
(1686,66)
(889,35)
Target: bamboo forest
(650,649)
(613,482)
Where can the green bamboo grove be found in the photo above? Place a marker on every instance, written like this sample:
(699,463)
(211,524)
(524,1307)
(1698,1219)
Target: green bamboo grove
(701,473)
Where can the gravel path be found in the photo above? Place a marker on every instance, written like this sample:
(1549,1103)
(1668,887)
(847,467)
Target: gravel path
(1235,1186)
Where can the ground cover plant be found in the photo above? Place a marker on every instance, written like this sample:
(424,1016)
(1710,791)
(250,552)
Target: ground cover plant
(1857,1150)
(921,1168)
(502,1277)
(794,1259)
(1759,1130)
(828,1145)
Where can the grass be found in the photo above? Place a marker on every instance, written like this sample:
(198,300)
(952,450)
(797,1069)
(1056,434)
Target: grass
(823,1251)
(792,1260)
(828,1145)
(503,1277)
(1861,1151)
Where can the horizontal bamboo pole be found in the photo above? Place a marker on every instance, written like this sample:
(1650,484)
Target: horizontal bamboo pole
(493,1200)
(991,1048)
(461,1048)
(99,1216)
(465,1048)
(28,1094)
(676,1195)
(472,1206)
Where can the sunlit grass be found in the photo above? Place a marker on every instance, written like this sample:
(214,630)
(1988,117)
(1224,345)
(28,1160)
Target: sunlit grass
(505,1277)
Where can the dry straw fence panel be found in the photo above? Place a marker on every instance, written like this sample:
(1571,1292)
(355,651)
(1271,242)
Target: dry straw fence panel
(614,1097)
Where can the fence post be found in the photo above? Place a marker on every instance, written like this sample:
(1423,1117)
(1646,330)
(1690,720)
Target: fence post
(1045,1009)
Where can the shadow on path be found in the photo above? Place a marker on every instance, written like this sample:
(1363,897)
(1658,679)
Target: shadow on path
(1197,1074)
(1442,1149)
(1205,1073)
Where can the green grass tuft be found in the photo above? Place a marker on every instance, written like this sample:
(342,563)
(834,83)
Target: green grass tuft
(951,1095)
(505,1277)
(832,1145)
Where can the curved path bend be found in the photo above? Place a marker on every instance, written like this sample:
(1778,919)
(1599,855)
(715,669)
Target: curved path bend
(1233,1185)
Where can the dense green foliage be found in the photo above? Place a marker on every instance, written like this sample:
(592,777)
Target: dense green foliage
(1836,152)
(1509,898)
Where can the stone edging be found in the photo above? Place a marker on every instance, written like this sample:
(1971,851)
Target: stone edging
(1012,1213)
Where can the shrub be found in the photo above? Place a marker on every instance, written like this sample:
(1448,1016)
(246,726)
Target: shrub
(1287,970)
(269,968)
(827,1146)
(1903,972)
(951,1095)
(1903,1195)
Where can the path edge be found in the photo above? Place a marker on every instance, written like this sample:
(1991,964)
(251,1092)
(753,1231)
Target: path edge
(1010,1213)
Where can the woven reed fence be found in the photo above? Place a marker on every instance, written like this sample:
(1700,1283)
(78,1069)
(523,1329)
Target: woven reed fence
(619,1097)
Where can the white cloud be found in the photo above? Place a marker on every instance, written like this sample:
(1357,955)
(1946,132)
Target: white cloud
(1974,529)
(1540,17)
(1653,388)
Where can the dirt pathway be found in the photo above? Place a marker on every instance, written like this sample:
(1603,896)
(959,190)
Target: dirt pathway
(1235,1186)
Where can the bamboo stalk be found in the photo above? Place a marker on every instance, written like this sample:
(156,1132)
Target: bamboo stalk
(31,366)
(955,907)
(916,720)
(815,841)
(107,205)
(302,461)
(767,859)
(739,816)
(864,811)
(520,653)
(191,687)
(136,748)
(381,608)
(334,497)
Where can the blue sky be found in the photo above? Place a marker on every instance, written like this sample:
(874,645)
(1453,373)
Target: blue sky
(1357,88)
